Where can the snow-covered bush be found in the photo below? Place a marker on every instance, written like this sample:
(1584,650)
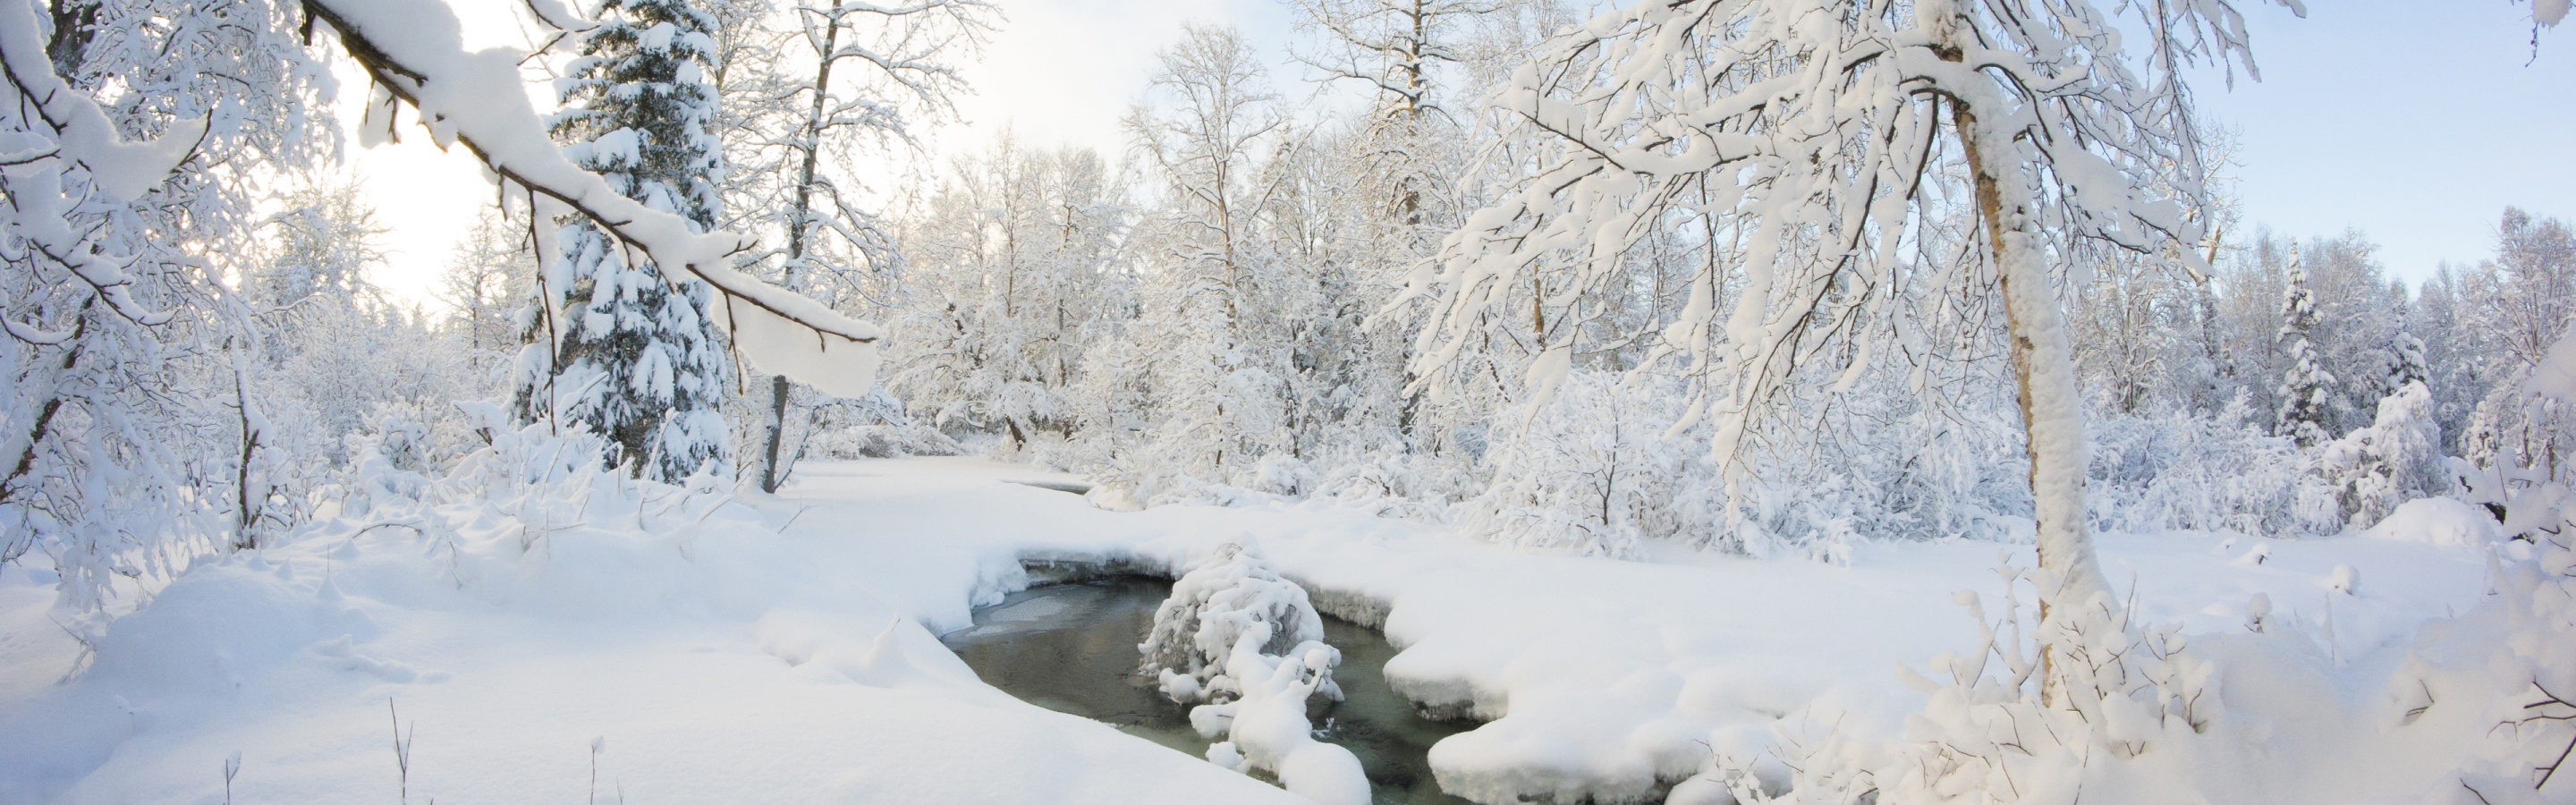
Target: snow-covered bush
(881,441)
(2517,440)
(1230,595)
(1402,483)
(2195,472)
(1591,474)
(2220,473)
(2506,669)
(1879,461)
(2045,710)
(2358,479)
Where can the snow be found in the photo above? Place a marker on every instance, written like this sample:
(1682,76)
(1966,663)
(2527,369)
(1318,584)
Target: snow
(1232,598)
(2441,521)
(783,649)
(477,96)
(1236,635)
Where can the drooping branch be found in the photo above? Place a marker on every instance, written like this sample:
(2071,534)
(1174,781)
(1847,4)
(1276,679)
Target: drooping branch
(415,52)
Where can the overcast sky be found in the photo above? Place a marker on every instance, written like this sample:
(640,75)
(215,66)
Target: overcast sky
(2414,122)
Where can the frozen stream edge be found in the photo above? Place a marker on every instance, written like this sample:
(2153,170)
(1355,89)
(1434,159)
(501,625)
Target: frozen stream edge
(1388,727)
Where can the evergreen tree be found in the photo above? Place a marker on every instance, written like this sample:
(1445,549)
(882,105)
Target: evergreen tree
(2410,366)
(634,358)
(2305,389)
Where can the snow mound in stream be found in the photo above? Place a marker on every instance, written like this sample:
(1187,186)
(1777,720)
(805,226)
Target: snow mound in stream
(1213,607)
(1237,635)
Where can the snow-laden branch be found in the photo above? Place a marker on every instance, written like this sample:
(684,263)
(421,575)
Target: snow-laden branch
(415,51)
(65,155)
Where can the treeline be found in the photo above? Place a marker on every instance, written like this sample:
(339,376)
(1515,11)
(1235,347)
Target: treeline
(1247,303)
(1224,320)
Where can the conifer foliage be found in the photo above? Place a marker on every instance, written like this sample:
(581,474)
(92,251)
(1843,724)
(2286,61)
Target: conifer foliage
(633,358)
(2304,390)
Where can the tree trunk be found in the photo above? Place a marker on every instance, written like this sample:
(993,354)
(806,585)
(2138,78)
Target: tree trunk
(770,474)
(2044,375)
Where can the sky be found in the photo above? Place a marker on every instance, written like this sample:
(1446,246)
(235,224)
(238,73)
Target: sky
(2414,122)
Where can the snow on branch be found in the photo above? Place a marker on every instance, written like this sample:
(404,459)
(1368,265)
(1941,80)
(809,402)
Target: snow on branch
(415,51)
(1816,139)
(64,154)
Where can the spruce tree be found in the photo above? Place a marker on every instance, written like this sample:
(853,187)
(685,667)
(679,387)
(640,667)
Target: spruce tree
(634,358)
(2307,387)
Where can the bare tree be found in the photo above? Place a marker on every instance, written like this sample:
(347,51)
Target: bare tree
(859,75)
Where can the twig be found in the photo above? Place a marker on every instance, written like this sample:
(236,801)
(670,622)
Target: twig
(402,749)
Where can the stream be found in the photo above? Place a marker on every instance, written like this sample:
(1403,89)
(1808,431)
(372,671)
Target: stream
(1071,648)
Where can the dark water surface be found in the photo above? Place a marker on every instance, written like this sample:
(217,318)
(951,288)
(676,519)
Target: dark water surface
(1071,648)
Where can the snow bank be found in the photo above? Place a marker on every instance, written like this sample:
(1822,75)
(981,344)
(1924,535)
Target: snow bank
(514,620)
(753,654)
(2442,522)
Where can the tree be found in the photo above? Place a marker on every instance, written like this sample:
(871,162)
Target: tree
(619,348)
(2515,307)
(2307,386)
(134,125)
(415,57)
(1396,47)
(2535,268)
(141,128)
(1016,279)
(1219,371)
(864,74)
(486,284)
(1820,135)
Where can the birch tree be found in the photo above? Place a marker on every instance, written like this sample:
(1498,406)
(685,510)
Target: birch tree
(1819,136)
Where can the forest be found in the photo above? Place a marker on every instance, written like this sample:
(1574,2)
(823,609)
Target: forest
(1656,384)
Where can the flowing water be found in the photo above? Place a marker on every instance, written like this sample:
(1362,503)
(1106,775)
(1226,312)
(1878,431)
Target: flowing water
(1072,648)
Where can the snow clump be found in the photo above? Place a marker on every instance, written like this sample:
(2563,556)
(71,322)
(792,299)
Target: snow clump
(1218,605)
(1249,643)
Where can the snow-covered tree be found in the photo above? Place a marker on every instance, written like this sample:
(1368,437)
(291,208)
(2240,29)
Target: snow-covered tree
(2306,388)
(2365,474)
(2460,359)
(2137,328)
(1399,48)
(2535,268)
(415,56)
(136,127)
(1016,277)
(487,281)
(617,347)
(1813,137)
(848,77)
(1217,375)
(2508,306)
(328,361)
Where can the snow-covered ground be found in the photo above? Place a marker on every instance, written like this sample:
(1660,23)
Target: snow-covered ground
(785,650)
